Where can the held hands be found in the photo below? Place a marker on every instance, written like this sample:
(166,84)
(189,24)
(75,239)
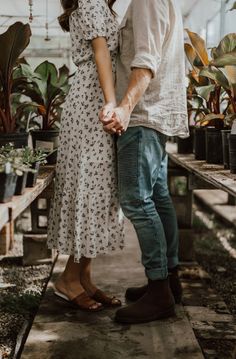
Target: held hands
(114,120)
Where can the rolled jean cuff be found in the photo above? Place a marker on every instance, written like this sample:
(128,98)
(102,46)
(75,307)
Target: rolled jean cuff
(155,274)
(173,262)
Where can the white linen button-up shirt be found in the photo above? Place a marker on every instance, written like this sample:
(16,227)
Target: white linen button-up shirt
(151,37)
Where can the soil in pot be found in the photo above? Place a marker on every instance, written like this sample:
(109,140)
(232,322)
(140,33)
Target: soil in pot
(214,149)
(225,144)
(185,145)
(7,186)
(47,141)
(21,184)
(32,177)
(200,143)
(18,139)
(232,153)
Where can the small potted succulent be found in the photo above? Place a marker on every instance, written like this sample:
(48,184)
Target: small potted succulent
(13,157)
(33,158)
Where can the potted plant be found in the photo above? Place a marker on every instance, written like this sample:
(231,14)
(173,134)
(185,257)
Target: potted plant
(12,173)
(8,154)
(217,88)
(12,42)
(33,158)
(47,87)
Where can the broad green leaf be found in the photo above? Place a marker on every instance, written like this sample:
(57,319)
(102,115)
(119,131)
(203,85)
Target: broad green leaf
(12,43)
(205,91)
(216,75)
(63,75)
(233,7)
(225,59)
(226,46)
(47,69)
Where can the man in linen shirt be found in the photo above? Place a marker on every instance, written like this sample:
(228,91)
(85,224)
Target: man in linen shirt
(152,105)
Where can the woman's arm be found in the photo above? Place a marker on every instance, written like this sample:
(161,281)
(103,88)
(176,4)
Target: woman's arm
(104,67)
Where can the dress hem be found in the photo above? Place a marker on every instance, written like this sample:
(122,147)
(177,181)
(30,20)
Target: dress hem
(86,255)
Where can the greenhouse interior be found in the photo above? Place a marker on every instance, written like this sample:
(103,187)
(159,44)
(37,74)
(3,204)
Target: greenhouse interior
(118,179)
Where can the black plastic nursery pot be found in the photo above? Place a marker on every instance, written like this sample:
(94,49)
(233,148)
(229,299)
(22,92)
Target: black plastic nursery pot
(21,184)
(7,186)
(232,153)
(18,139)
(48,141)
(32,177)
(185,145)
(214,149)
(225,145)
(200,143)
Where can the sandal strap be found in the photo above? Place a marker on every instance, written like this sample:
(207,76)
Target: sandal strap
(101,297)
(84,301)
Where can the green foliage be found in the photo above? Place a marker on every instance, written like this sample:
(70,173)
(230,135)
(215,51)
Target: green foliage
(12,42)
(22,304)
(47,88)
(30,156)
(18,161)
(213,80)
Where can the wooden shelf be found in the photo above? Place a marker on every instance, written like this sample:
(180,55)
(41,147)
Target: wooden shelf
(4,215)
(214,175)
(11,210)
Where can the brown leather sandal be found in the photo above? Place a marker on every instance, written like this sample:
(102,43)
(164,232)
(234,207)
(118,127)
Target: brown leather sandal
(82,302)
(107,301)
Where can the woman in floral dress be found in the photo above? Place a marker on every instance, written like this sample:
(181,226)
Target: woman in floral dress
(85,218)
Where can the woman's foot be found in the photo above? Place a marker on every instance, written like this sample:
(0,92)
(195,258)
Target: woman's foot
(97,294)
(74,291)
(106,300)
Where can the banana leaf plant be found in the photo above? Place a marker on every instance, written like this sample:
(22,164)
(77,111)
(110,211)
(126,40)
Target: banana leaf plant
(12,43)
(214,77)
(47,88)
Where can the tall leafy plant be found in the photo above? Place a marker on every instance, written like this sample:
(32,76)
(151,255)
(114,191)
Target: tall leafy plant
(47,87)
(12,43)
(214,77)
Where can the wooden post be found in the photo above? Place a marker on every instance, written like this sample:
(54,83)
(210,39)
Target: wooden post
(182,196)
(5,239)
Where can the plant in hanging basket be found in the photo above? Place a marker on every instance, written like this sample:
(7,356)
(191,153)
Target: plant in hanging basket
(12,42)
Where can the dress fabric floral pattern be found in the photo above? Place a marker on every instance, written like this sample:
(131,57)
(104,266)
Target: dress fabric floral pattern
(85,217)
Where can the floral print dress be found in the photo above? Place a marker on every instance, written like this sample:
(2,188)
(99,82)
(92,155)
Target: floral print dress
(85,217)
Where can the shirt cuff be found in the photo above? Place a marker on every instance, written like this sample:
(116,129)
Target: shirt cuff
(146,61)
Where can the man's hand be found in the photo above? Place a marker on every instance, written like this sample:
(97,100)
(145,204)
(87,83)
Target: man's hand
(119,121)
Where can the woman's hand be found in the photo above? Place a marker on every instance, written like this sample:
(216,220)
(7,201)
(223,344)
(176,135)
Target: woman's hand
(106,112)
(118,122)
(106,117)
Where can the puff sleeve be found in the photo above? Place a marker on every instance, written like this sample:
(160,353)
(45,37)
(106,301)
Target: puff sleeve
(92,18)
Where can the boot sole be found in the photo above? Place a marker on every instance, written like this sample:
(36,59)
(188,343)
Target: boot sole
(129,320)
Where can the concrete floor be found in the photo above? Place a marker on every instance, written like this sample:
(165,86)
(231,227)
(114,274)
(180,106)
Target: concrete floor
(61,332)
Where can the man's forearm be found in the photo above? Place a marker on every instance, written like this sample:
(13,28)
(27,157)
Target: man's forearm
(138,84)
